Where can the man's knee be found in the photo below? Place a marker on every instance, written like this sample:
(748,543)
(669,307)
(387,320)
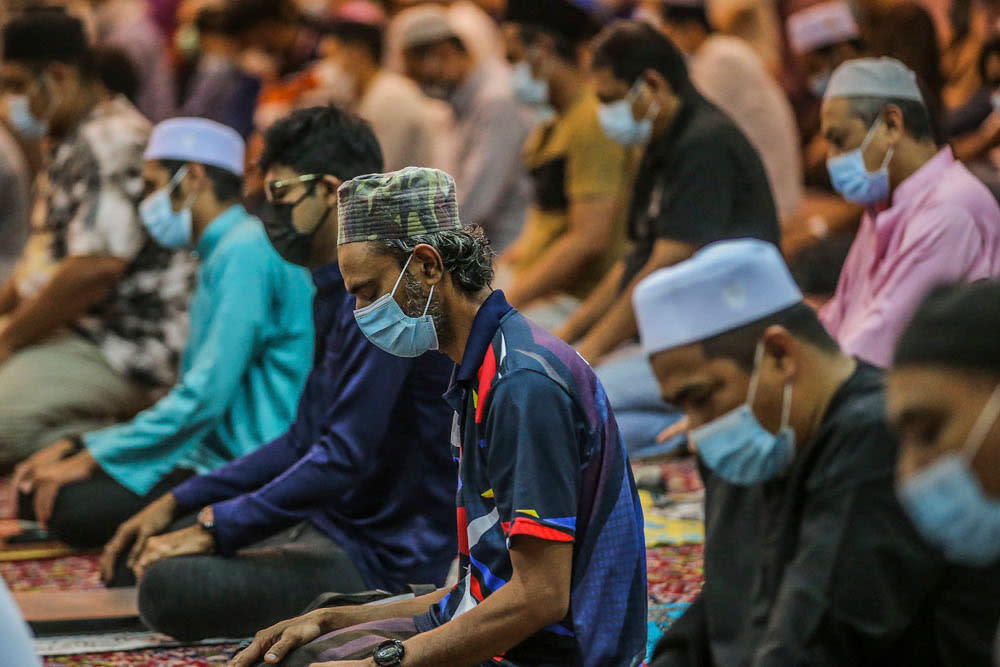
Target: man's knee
(162,601)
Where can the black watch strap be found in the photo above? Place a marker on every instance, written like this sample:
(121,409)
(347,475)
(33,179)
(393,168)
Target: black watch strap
(389,653)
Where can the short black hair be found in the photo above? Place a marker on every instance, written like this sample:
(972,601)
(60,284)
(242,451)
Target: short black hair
(629,48)
(116,71)
(954,326)
(226,186)
(371,37)
(248,14)
(216,21)
(915,114)
(740,344)
(45,35)
(451,40)
(681,14)
(565,49)
(323,140)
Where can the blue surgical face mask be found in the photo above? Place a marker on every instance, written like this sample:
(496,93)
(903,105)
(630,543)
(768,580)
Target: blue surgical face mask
(529,90)
(621,126)
(389,329)
(851,178)
(22,120)
(947,504)
(737,448)
(169,228)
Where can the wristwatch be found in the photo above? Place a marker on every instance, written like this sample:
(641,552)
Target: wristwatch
(206,519)
(389,652)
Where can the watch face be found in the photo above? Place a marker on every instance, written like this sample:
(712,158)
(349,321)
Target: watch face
(389,653)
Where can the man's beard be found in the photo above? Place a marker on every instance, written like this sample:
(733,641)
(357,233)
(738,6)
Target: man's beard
(416,301)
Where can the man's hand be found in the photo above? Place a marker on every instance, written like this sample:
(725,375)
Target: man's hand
(186,542)
(274,643)
(50,479)
(345,663)
(682,425)
(24,473)
(153,520)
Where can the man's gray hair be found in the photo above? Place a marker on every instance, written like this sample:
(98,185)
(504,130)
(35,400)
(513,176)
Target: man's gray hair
(466,253)
(915,115)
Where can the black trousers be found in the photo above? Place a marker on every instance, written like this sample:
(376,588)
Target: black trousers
(196,597)
(87,514)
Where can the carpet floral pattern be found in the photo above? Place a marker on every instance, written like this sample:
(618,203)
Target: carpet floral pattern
(674,574)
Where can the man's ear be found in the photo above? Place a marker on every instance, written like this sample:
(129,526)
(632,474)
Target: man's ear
(427,264)
(330,184)
(895,124)
(656,83)
(781,346)
(197,179)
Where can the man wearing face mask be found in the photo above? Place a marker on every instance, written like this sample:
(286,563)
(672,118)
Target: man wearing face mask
(94,306)
(358,494)
(489,127)
(550,536)
(575,229)
(700,180)
(809,557)
(243,367)
(731,75)
(927,220)
(944,401)
(405,121)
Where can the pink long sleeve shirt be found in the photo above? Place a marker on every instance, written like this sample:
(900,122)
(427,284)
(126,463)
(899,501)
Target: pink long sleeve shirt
(943,227)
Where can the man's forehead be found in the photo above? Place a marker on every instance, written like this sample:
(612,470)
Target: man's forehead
(606,85)
(680,366)
(360,265)
(280,172)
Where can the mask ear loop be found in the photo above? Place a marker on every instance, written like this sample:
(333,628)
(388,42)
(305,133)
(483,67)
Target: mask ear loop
(786,406)
(429,297)
(987,418)
(400,278)
(758,356)
(868,138)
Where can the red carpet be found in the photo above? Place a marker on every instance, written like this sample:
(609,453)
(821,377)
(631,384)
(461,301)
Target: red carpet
(675,576)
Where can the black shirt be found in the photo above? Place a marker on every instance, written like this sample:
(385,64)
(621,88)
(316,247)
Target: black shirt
(702,182)
(821,566)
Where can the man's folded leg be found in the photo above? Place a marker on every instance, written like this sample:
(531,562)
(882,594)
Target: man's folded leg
(354,643)
(87,513)
(194,597)
(62,386)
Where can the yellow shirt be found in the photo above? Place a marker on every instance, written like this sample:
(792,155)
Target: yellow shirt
(572,159)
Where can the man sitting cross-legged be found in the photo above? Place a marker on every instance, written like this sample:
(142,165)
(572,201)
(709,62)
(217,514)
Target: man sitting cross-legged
(357,494)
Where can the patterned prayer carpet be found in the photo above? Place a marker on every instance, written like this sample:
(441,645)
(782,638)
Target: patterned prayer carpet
(674,567)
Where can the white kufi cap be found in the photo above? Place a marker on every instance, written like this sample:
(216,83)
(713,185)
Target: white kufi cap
(722,287)
(874,77)
(197,140)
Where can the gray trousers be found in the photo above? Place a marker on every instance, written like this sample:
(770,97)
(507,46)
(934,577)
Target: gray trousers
(58,387)
(196,597)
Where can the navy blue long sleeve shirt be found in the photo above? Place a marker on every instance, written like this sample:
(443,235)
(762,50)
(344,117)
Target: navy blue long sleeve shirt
(367,459)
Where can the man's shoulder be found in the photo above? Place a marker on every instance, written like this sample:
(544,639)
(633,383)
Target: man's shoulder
(115,134)
(855,438)
(521,346)
(706,131)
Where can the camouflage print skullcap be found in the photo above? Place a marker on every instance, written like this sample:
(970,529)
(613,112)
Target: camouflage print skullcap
(397,205)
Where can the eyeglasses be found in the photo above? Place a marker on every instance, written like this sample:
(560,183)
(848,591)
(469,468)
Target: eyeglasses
(276,191)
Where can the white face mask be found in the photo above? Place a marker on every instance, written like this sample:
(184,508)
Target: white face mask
(619,123)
